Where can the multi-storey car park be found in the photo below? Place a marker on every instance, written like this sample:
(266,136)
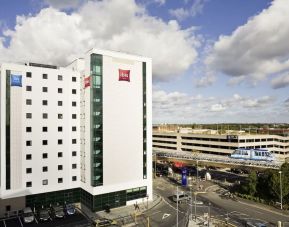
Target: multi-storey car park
(76,134)
(211,142)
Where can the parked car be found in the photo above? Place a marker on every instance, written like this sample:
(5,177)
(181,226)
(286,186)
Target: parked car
(57,211)
(44,214)
(69,209)
(105,222)
(28,215)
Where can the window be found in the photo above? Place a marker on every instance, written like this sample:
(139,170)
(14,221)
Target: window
(59,90)
(73,153)
(60,77)
(59,129)
(59,103)
(73,166)
(44,182)
(45,115)
(59,142)
(73,128)
(44,142)
(73,103)
(44,169)
(28,74)
(28,88)
(28,102)
(60,116)
(74,178)
(44,89)
(73,79)
(44,155)
(44,102)
(28,170)
(28,129)
(44,76)
(74,91)
(59,154)
(60,167)
(28,115)
(60,180)
(28,156)
(28,143)
(73,116)
(73,141)
(28,184)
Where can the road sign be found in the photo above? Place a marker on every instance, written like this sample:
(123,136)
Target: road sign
(165,216)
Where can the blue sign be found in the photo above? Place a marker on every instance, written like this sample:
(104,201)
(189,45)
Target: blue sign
(184,177)
(16,80)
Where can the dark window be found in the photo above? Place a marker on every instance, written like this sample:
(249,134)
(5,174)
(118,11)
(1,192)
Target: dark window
(73,116)
(28,88)
(73,128)
(28,143)
(73,103)
(28,156)
(44,129)
(44,182)
(73,166)
(59,129)
(59,90)
(28,115)
(59,154)
(28,102)
(60,77)
(28,170)
(44,102)
(73,79)
(73,153)
(60,167)
(28,129)
(60,116)
(60,180)
(44,76)
(59,142)
(44,169)
(59,103)
(74,178)
(28,184)
(74,91)
(73,141)
(45,115)
(44,155)
(44,142)
(44,89)
(29,74)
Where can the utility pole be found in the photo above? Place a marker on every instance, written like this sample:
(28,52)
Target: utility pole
(177,207)
(280,172)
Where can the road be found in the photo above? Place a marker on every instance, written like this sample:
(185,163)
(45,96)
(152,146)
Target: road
(237,212)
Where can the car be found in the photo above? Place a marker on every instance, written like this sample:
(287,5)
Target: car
(105,222)
(28,215)
(69,209)
(44,214)
(57,211)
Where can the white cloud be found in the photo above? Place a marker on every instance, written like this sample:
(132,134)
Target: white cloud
(206,80)
(217,108)
(65,4)
(281,81)
(258,48)
(57,37)
(183,13)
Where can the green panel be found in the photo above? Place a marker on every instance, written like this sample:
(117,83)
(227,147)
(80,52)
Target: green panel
(8,165)
(144,122)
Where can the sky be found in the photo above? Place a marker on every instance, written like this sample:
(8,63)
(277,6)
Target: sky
(213,61)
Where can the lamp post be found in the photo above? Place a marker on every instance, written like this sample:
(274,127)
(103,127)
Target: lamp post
(209,214)
(177,207)
(280,172)
(155,166)
(197,175)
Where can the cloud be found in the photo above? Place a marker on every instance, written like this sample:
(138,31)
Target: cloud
(56,37)
(65,4)
(256,49)
(206,81)
(281,81)
(217,108)
(183,13)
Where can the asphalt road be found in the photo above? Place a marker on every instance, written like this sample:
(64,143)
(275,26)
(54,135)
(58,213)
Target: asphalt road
(237,212)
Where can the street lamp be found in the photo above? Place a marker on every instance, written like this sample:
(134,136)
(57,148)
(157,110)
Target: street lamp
(177,206)
(209,214)
(197,175)
(280,172)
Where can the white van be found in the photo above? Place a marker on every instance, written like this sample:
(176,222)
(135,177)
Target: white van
(28,215)
(180,197)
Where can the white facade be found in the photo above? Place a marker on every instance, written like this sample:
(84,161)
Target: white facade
(50,129)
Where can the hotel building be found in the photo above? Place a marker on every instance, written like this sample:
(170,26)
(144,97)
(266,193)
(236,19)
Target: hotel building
(76,134)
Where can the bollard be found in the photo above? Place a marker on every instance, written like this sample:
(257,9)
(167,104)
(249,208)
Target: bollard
(279,224)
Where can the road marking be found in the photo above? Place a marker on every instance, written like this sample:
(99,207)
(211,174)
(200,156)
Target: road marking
(20,221)
(157,212)
(165,216)
(160,188)
(173,206)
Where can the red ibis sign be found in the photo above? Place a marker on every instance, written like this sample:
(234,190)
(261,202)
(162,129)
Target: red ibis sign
(124,75)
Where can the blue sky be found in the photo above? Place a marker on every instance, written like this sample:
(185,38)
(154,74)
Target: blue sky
(213,61)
